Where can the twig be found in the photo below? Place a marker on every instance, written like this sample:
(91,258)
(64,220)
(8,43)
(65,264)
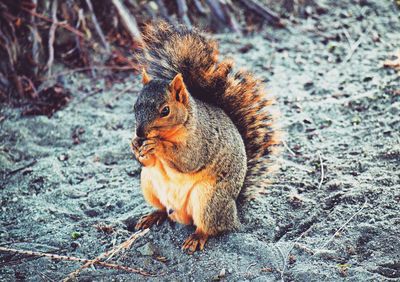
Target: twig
(35,93)
(285,259)
(284,262)
(355,45)
(89,95)
(289,150)
(233,24)
(215,8)
(52,33)
(70,258)
(69,72)
(295,165)
(119,94)
(322,171)
(250,266)
(163,10)
(182,12)
(61,24)
(128,20)
(344,225)
(109,254)
(199,6)
(97,26)
(348,37)
(35,44)
(269,15)
(23,167)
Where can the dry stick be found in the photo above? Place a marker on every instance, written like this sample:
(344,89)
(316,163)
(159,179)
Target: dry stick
(199,6)
(23,167)
(344,225)
(219,9)
(35,44)
(52,34)
(68,72)
(83,98)
(31,85)
(233,24)
(215,8)
(285,259)
(60,24)
(119,94)
(76,32)
(284,263)
(97,26)
(287,148)
(322,171)
(68,258)
(348,37)
(128,20)
(163,11)
(109,254)
(354,46)
(296,165)
(266,13)
(182,12)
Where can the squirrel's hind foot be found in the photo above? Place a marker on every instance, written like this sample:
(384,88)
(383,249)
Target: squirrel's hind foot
(147,221)
(195,241)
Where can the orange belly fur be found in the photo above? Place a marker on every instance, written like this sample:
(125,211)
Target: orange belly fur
(184,193)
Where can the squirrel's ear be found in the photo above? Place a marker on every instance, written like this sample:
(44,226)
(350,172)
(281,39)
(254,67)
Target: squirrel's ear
(145,77)
(178,89)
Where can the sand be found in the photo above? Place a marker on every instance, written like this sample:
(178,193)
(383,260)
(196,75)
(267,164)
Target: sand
(332,213)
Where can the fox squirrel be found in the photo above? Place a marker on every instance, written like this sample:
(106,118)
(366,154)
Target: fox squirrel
(202,133)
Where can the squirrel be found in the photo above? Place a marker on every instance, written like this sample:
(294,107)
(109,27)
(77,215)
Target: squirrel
(203,133)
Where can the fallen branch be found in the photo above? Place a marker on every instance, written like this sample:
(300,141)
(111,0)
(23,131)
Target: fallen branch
(70,258)
(285,259)
(82,69)
(288,149)
(128,20)
(216,9)
(97,26)
(60,24)
(163,11)
(83,98)
(199,6)
(356,44)
(322,171)
(182,12)
(23,167)
(109,254)
(344,225)
(119,94)
(266,13)
(35,40)
(52,33)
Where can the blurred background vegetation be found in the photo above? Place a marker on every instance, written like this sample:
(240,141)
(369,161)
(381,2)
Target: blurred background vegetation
(41,41)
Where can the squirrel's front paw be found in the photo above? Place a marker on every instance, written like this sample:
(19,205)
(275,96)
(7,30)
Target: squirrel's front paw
(147,147)
(135,146)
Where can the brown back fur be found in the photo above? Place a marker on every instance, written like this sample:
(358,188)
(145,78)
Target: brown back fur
(170,50)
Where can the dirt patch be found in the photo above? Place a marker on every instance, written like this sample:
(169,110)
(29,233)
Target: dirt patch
(60,177)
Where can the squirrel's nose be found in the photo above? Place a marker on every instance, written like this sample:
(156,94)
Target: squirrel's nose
(140,132)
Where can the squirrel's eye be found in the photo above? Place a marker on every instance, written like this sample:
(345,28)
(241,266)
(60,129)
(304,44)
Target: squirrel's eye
(165,111)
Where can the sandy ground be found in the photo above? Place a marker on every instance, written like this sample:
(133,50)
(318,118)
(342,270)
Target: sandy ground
(339,108)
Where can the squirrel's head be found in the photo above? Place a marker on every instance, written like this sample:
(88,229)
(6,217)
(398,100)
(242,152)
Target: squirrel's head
(162,107)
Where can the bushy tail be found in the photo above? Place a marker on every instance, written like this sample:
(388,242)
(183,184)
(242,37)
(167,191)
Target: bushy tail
(169,50)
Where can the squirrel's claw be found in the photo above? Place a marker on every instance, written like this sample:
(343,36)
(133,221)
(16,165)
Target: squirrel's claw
(149,220)
(147,147)
(194,242)
(135,145)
